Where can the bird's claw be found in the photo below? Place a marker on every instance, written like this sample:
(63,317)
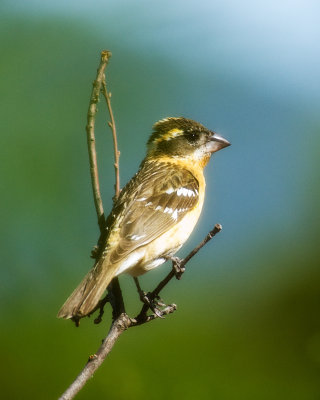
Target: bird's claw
(153,303)
(144,297)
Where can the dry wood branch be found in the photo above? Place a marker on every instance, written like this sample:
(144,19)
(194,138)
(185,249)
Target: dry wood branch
(112,126)
(178,267)
(105,56)
(121,321)
(94,362)
(98,85)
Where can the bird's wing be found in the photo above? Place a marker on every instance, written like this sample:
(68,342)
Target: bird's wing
(156,199)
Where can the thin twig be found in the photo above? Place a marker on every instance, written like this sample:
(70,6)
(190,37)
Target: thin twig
(98,84)
(181,264)
(116,298)
(100,307)
(112,126)
(217,228)
(115,290)
(121,321)
(94,362)
(105,56)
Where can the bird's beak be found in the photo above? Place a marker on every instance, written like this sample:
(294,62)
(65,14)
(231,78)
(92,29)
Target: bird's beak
(217,142)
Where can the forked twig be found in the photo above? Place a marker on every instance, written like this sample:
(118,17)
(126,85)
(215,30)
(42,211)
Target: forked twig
(121,321)
(92,111)
(99,85)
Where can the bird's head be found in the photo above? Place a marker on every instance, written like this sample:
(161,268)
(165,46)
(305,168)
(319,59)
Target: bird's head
(184,139)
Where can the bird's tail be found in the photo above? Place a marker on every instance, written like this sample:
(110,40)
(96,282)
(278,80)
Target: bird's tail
(87,295)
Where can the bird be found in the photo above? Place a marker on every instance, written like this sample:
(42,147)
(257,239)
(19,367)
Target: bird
(154,213)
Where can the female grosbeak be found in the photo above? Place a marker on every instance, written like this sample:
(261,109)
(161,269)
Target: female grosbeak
(155,212)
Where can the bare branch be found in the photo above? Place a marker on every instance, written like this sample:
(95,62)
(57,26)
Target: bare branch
(105,56)
(116,299)
(121,321)
(217,228)
(94,362)
(98,85)
(112,126)
(173,273)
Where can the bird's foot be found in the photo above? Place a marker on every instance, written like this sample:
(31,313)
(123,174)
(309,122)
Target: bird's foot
(149,299)
(153,303)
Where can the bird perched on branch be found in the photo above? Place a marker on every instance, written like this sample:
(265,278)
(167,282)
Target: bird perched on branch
(155,212)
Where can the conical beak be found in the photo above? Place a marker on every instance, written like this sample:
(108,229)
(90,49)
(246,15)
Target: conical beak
(217,142)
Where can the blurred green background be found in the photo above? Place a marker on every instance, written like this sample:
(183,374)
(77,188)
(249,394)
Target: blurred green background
(248,323)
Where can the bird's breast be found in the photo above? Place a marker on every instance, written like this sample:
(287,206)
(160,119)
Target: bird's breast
(155,253)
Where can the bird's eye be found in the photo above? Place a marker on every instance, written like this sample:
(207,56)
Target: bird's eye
(193,137)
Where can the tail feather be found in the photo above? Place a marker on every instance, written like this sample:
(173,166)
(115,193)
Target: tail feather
(87,295)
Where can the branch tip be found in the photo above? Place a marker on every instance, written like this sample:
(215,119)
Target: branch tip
(105,55)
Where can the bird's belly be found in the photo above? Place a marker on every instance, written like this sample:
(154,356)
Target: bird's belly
(156,252)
